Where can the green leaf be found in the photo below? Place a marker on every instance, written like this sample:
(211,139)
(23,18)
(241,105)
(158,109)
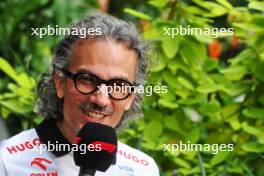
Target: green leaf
(175,64)
(261,99)
(5,112)
(7,69)
(153,130)
(183,93)
(220,157)
(194,10)
(251,130)
(235,169)
(158,3)
(182,163)
(244,55)
(230,110)
(238,88)
(14,106)
(225,3)
(152,113)
(235,72)
(210,107)
(214,8)
(172,123)
(255,113)
(253,147)
(203,38)
(234,122)
(259,71)
(25,81)
(185,83)
(169,78)
(193,136)
(210,64)
(137,14)
(168,95)
(170,46)
(153,33)
(38,119)
(192,171)
(256,5)
(168,104)
(198,50)
(158,66)
(209,88)
(249,27)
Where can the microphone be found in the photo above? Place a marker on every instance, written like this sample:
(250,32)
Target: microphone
(102,140)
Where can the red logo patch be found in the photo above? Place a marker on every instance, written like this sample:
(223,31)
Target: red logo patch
(39,162)
(105,146)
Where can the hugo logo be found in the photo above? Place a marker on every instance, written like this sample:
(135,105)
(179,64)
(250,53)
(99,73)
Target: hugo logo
(39,162)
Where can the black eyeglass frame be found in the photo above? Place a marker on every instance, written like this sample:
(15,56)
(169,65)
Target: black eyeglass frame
(73,76)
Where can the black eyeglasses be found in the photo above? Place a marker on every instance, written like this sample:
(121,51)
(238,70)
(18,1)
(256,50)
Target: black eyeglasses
(88,83)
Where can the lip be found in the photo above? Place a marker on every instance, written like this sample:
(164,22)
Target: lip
(88,118)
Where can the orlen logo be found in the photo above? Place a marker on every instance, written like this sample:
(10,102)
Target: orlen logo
(42,164)
(105,146)
(39,162)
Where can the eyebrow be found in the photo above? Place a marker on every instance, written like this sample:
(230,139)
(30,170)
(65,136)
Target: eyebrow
(90,72)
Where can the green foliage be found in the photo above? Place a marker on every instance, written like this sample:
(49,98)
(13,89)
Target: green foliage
(208,101)
(24,57)
(19,97)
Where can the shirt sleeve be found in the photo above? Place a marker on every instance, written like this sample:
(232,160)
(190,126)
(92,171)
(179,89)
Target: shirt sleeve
(2,166)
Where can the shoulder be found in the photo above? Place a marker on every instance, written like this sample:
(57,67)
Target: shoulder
(13,150)
(137,158)
(20,142)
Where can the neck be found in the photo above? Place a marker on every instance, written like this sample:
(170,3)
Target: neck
(67,130)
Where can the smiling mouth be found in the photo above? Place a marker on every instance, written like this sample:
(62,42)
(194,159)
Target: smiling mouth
(92,115)
(95,115)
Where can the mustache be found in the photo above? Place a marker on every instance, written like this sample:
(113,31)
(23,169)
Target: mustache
(96,107)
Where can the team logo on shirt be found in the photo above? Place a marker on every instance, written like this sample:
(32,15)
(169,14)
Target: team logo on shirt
(132,157)
(128,170)
(26,145)
(39,162)
(42,163)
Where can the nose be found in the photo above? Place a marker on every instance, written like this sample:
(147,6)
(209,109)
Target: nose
(101,97)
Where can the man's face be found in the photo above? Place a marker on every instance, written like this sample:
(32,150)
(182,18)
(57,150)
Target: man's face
(107,60)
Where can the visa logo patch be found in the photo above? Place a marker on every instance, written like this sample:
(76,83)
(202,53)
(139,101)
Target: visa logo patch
(126,168)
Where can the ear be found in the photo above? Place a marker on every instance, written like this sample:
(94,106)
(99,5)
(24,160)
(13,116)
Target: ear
(59,83)
(129,101)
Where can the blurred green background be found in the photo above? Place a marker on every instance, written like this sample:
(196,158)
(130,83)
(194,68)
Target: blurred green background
(216,86)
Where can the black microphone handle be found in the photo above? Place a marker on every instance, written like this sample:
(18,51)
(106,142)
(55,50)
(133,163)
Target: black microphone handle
(86,172)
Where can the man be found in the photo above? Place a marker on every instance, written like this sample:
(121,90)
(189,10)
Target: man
(76,91)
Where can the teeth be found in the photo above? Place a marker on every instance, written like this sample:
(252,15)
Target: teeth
(95,115)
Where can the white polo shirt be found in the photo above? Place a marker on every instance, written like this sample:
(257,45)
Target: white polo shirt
(20,156)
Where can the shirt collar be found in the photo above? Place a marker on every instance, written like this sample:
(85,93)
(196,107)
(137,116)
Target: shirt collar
(48,132)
